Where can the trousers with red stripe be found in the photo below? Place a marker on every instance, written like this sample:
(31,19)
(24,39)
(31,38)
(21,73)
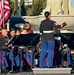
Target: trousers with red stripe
(29,57)
(14,58)
(3,60)
(46,46)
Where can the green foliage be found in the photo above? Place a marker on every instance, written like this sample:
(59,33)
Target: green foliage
(37,7)
(44,3)
(28,10)
(12,7)
(15,9)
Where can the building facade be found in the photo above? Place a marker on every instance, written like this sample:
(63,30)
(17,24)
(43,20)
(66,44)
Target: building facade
(63,7)
(28,2)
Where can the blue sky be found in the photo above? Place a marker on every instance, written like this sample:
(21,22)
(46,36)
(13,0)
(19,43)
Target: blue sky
(73,3)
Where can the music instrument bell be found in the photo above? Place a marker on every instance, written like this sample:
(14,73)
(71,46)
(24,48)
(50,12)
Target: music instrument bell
(21,25)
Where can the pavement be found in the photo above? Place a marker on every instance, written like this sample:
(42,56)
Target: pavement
(43,71)
(31,73)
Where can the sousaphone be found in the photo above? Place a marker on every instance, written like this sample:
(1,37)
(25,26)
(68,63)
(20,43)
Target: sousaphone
(21,25)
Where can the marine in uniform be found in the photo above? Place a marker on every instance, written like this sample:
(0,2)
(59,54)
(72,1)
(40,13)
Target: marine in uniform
(3,49)
(47,38)
(28,53)
(15,53)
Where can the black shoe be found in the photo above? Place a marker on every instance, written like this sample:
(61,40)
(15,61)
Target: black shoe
(16,70)
(50,67)
(11,71)
(29,70)
(64,66)
(70,66)
(4,71)
(43,67)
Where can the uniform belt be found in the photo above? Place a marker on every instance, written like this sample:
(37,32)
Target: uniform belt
(47,31)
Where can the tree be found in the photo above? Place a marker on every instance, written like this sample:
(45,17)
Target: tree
(15,7)
(37,7)
(12,7)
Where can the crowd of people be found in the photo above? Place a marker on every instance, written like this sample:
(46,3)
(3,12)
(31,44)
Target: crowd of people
(10,57)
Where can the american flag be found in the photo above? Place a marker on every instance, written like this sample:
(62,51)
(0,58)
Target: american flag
(4,11)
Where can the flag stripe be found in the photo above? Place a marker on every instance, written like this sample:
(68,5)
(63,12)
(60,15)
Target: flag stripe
(4,11)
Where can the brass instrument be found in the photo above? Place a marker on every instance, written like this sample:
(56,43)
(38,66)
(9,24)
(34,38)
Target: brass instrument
(21,25)
(24,26)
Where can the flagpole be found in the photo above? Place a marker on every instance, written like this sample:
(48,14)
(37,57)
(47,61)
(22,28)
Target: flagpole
(19,4)
(3,12)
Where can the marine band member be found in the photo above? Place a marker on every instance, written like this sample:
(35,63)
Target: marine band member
(47,38)
(3,49)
